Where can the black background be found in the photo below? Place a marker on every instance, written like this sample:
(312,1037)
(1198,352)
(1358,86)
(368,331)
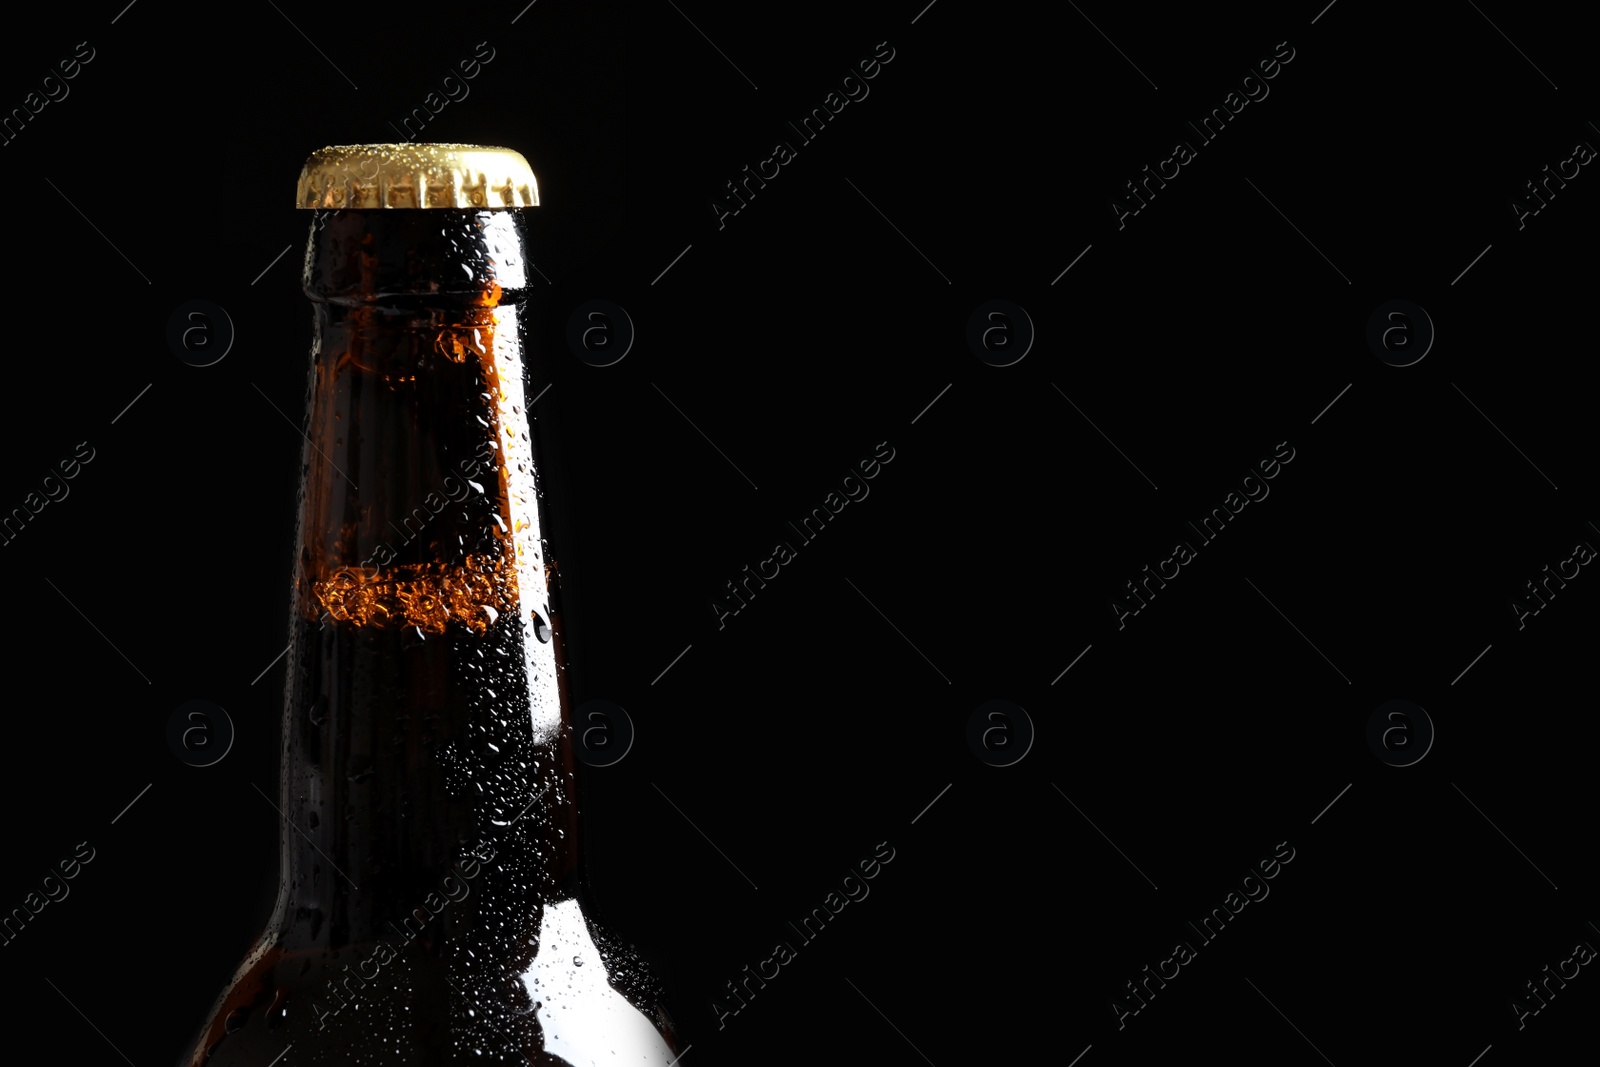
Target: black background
(823,319)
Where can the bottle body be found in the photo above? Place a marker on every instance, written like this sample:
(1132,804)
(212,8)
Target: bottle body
(431,908)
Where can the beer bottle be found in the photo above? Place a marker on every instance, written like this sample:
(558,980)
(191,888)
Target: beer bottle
(431,907)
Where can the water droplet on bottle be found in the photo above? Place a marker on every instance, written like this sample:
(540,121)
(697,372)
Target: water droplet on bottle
(279,1009)
(235,1020)
(541,629)
(577,961)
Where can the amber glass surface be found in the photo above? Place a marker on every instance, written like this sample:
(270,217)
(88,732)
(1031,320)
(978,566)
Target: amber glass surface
(431,909)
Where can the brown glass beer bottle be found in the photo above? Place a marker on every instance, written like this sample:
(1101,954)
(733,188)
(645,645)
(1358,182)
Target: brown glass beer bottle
(431,908)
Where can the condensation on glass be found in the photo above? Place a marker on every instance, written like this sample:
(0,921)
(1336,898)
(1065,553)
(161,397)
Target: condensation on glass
(431,907)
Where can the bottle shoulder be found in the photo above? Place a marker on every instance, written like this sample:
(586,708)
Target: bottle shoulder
(569,1000)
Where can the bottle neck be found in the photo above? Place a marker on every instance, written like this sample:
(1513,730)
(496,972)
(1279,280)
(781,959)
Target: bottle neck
(426,752)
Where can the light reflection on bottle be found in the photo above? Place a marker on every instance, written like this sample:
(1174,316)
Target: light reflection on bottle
(585,1021)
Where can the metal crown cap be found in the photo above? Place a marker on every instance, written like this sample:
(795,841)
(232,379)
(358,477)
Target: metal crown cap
(416,176)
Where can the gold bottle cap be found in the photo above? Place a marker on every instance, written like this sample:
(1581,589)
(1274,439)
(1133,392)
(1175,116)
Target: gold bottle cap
(416,176)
